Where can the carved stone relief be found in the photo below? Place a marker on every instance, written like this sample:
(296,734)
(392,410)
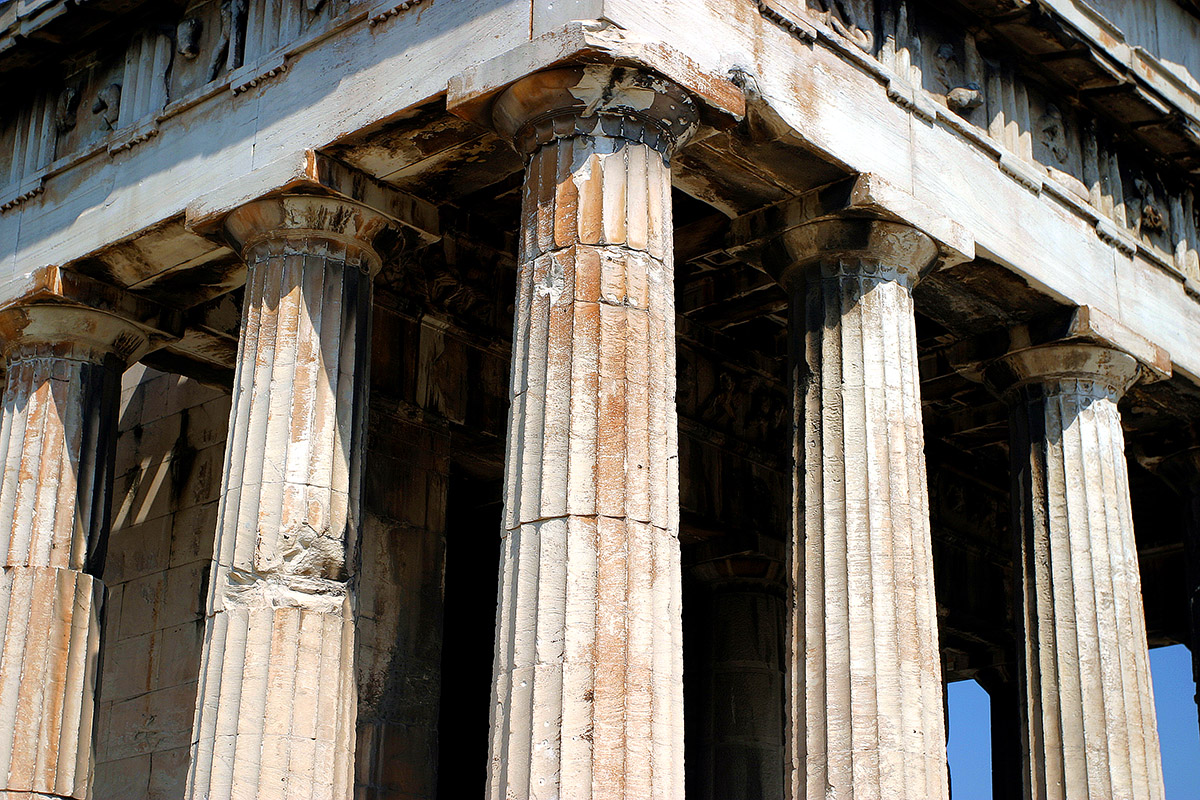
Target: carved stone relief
(850,18)
(187,37)
(108,104)
(1147,212)
(1051,130)
(231,41)
(729,401)
(66,108)
(72,116)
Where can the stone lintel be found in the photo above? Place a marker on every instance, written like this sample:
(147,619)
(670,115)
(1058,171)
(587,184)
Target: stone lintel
(742,568)
(314,174)
(471,94)
(59,306)
(863,195)
(359,228)
(1082,326)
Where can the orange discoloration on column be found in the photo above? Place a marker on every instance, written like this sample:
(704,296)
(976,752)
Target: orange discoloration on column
(56,442)
(588,671)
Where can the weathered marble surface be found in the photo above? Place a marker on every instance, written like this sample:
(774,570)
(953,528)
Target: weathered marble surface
(63,368)
(588,697)
(1089,711)
(276,709)
(864,685)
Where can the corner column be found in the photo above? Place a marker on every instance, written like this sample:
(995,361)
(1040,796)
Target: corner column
(62,388)
(1088,703)
(588,698)
(275,710)
(865,680)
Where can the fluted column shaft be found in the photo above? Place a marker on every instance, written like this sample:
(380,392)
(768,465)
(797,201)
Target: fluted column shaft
(276,704)
(587,697)
(1088,702)
(865,687)
(738,752)
(57,443)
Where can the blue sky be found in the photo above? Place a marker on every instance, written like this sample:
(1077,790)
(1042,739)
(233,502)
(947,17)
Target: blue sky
(1171,667)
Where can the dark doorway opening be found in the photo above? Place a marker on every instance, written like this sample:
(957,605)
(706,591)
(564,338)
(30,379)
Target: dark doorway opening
(473,517)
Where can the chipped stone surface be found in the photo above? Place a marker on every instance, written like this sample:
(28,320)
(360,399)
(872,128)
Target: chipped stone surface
(276,707)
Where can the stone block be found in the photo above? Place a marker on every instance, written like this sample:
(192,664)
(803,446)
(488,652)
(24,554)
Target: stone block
(138,550)
(141,606)
(157,392)
(184,598)
(143,495)
(146,444)
(123,779)
(130,667)
(193,531)
(189,393)
(179,660)
(196,475)
(153,722)
(168,774)
(103,718)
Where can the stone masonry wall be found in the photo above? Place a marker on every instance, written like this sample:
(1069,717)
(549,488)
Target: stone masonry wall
(170,448)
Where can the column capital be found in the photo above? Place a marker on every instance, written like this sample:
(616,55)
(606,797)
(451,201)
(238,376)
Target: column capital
(1079,367)
(1080,345)
(621,102)
(850,245)
(367,235)
(76,317)
(596,47)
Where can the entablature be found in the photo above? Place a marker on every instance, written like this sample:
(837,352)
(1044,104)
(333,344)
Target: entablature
(1041,188)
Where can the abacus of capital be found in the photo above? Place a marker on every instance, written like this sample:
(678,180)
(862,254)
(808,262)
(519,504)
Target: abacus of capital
(599,399)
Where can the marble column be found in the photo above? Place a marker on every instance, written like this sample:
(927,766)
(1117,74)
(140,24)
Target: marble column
(275,710)
(1088,704)
(1182,471)
(57,439)
(588,697)
(738,753)
(865,680)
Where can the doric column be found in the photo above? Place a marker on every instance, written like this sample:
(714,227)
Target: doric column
(57,440)
(865,684)
(1087,697)
(588,692)
(738,753)
(1182,471)
(275,709)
